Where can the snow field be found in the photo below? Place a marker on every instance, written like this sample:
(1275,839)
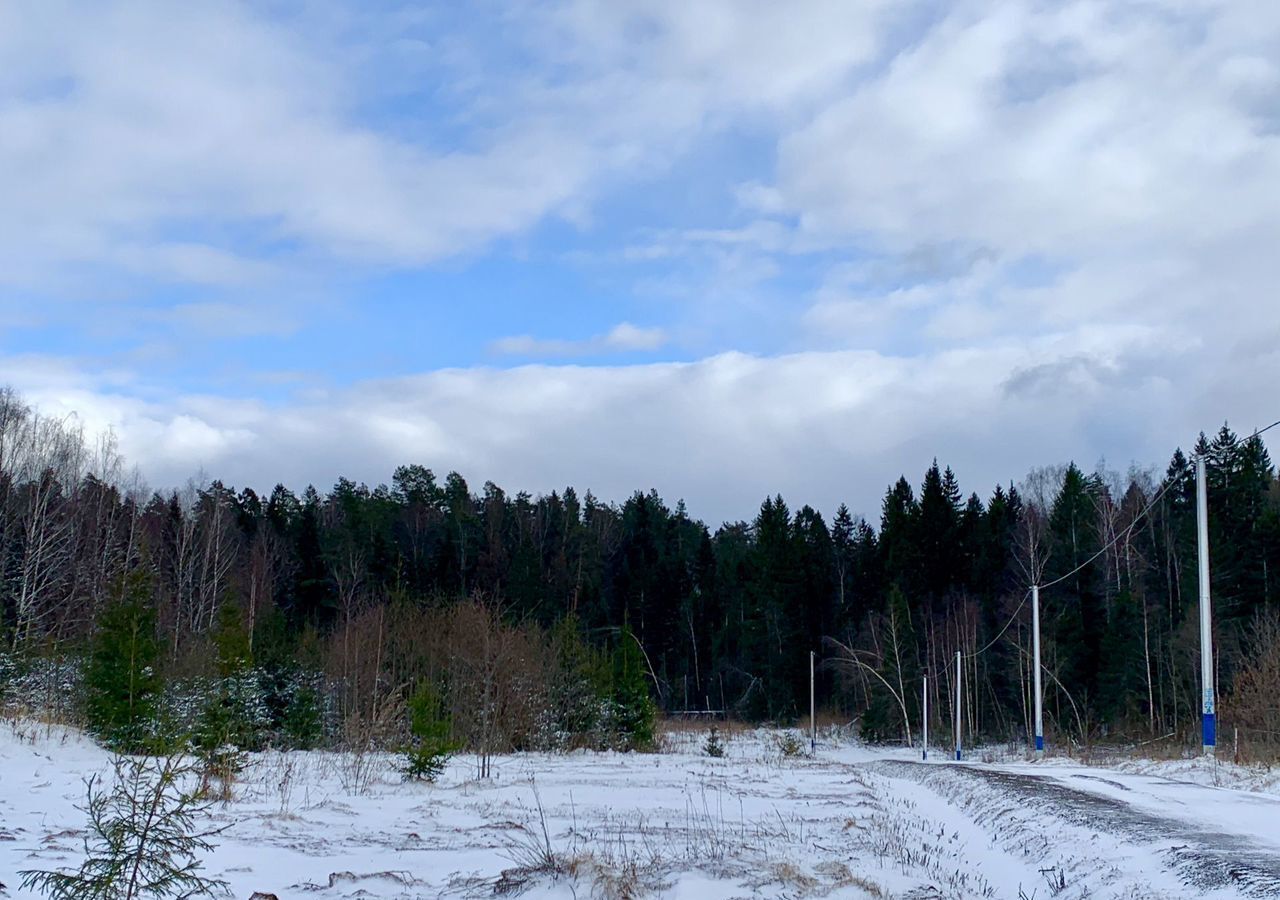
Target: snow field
(855,822)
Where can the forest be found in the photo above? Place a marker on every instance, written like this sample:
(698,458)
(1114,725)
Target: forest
(560,620)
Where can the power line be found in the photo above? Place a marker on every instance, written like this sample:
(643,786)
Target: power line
(1123,534)
(1160,494)
(1112,543)
(1150,506)
(1260,431)
(992,642)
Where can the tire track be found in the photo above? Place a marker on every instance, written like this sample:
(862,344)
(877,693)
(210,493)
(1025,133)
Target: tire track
(1203,859)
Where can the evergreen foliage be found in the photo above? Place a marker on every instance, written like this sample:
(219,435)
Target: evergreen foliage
(899,673)
(270,616)
(713,746)
(635,714)
(789,744)
(121,681)
(428,754)
(144,839)
(231,641)
(581,685)
(303,720)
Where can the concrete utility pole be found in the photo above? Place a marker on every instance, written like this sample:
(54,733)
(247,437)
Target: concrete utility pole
(1035,640)
(1208,717)
(813,711)
(957,729)
(924,741)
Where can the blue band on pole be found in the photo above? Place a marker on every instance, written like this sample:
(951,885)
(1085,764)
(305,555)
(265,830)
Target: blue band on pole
(957,756)
(1210,730)
(1039,741)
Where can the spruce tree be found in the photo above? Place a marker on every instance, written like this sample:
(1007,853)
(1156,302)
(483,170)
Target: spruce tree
(774,621)
(428,753)
(234,711)
(898,542)
(1000,594)
(898,685)
(121,684)
(1073,609)
(303,719)
(581,682)
(935,536)
(842,550)
(144,839)
(1121,680)
(634,709)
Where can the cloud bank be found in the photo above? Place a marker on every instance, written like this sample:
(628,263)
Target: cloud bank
(1002,234)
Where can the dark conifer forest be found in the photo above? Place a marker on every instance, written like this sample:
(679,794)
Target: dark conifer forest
(314,616)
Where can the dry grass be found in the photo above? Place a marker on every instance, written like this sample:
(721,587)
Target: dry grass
(729,728)
(675,735)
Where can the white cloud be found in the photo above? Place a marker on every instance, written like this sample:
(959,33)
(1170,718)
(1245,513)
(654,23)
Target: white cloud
(820,427)
(124,123)
(210,145)
(1046,229)
(143,118)
(1137,144)
(726,53)
(625,336)
(622,338)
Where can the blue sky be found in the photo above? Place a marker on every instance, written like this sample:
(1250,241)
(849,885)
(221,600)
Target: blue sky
(723,249)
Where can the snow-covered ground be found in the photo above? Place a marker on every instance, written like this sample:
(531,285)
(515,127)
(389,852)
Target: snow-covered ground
(854,822)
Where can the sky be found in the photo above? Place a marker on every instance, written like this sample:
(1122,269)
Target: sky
(720,249)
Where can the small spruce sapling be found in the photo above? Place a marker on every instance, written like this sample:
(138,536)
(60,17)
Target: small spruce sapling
(221,759)
(713,746)
(303,723)
(789,744)
(144,840)
(226,727)
(428,754)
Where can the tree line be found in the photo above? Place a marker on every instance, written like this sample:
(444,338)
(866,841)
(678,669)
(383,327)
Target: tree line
(545,610)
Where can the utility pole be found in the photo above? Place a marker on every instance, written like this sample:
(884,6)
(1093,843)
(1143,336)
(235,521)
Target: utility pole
(1036,686)
(924,741)
(1208,718)
(957,728)
(813,711)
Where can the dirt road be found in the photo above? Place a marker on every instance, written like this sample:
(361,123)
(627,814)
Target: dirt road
(1013,804)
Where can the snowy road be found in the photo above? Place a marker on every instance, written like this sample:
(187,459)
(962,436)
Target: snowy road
(1123,818)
